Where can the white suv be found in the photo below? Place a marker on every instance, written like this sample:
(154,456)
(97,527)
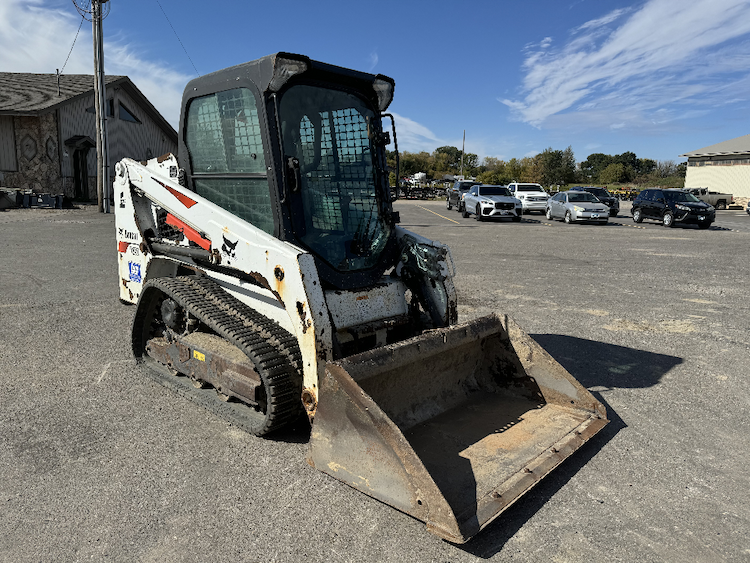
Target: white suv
(532,196)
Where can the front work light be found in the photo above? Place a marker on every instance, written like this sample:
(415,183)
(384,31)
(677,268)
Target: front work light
(283,70)
(383,87)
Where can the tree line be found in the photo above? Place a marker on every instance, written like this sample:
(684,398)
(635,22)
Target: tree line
(549,167)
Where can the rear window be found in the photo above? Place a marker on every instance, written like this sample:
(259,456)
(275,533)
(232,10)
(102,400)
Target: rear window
(599,192)
(581,197)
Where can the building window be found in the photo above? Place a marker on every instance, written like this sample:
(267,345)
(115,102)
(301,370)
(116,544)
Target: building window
(110,108)
(127,115)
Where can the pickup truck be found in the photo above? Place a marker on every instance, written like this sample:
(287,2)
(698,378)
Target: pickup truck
(718,200)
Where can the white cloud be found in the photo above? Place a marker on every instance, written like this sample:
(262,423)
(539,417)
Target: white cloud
(413,137)
(373,61)
(661,57)
(35,37)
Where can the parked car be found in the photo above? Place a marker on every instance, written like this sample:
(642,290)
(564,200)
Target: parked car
(604,196)
(532,196)
(488,201)
(574,206)
(672,206)
(747,209)
(453,199)
(717,199)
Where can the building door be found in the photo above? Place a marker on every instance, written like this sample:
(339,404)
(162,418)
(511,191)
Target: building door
(81,173)
(80,145)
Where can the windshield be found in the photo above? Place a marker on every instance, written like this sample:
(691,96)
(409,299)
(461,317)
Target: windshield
(585,197)
(328,131)
(494,190)
(529,188)
(680,196)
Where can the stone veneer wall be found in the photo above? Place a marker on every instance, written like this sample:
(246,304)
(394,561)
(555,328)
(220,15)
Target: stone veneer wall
(38,156)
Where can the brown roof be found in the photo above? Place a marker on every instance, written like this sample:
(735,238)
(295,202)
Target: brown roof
(35,94)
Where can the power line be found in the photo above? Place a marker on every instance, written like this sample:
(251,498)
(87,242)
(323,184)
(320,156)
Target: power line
(178,38)
(73,45)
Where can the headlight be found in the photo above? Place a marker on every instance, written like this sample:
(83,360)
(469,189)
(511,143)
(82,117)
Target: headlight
(578,208)
(682,207)
(492,203)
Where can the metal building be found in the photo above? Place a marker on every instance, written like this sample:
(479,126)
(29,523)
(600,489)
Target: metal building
(48,130)
(724,167)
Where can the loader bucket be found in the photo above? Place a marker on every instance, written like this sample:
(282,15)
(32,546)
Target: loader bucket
(452,426)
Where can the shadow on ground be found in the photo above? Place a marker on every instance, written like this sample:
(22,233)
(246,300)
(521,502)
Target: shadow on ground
(599,367)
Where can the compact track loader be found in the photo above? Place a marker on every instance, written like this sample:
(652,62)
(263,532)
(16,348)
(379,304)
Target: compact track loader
(273,281)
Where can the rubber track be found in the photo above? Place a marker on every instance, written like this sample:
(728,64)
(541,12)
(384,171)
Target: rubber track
(273,351)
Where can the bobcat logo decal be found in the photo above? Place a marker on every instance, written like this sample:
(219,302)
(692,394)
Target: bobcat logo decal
(228,247)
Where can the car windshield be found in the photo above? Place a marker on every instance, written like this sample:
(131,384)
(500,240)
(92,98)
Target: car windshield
(582,197)
(599,192)
(680,196)
(494,190)
(343,211)
(529,188)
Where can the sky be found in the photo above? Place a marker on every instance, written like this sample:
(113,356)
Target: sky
(656,77)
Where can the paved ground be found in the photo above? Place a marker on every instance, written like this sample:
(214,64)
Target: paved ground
(101,464)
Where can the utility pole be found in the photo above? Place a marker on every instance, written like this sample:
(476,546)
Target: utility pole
(100,102)
(95,11)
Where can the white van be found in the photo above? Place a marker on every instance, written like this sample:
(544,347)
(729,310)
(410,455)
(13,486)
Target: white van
(532,196)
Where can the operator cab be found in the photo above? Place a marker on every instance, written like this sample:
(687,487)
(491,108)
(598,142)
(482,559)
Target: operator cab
(296,148)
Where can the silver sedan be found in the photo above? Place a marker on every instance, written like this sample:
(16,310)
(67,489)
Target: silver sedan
(574,206)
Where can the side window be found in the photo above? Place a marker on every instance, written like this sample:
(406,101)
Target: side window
(645,195)
(223,136)
(474,191)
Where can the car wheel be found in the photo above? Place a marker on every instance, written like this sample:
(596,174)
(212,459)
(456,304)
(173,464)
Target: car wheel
(548,215)
(704,225)
(637,216)
(568,218)
(448,204)
(668,219)
(613,212)
(721,204)
(479,214)
(465,214)
(459,208)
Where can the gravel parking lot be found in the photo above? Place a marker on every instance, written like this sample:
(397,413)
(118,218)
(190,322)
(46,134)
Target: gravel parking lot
(101,464)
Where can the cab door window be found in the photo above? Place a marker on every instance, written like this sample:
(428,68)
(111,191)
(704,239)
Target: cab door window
(228,165)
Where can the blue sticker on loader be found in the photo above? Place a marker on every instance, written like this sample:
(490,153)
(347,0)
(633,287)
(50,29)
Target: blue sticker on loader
(135,272)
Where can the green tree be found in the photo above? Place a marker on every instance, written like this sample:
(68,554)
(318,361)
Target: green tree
(614,173)
(451,156)
(556,166)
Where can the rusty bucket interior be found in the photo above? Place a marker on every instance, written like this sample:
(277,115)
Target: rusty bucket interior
(452,426)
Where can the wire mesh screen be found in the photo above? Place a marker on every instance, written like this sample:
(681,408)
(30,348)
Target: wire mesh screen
(329,132)
(223,133)
(342,185)
(247,198)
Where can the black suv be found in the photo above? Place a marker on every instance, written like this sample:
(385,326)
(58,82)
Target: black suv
(604,196)
(454,194)
(671,206)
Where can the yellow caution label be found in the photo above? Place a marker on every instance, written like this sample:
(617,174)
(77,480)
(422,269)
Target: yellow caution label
(199,356)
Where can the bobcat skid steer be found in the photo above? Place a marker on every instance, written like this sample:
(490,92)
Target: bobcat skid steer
(273,281)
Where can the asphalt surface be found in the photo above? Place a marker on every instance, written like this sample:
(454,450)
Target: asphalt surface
(99,463)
